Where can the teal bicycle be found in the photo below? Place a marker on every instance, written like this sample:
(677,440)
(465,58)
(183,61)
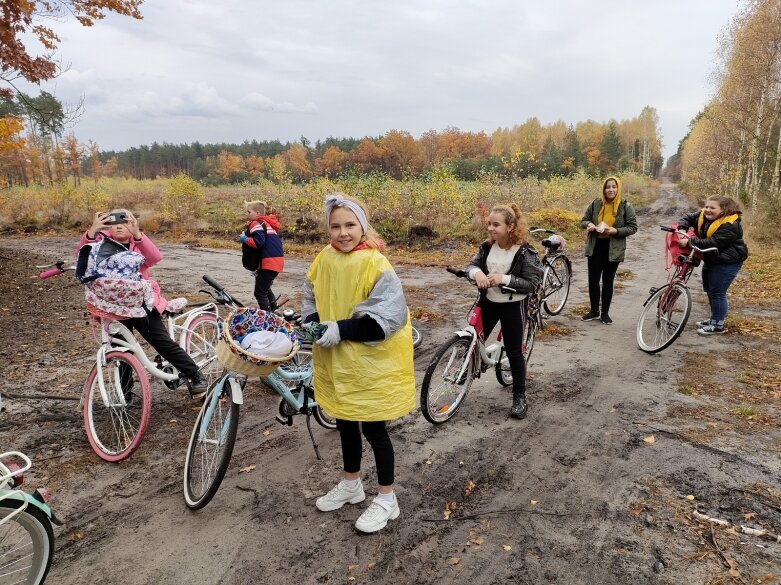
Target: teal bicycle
(214,434)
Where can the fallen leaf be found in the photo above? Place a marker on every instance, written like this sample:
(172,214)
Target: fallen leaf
(534,502)
(74,536)
(690,497)
(352,567)
(351,578)
(637,509)
(650,439)
(507,547)
(266,433)
(247,469)
(470,486)
(450,507)
(173,421)
(371,565)
(454,560)
(460,463)
(749,515)
(428,461)
(478,541)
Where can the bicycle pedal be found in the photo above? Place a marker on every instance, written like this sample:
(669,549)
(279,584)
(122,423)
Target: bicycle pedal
(284,420)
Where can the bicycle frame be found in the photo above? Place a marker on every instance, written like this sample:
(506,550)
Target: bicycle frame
(117,337)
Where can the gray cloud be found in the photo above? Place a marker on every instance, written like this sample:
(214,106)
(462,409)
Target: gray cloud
(245,69)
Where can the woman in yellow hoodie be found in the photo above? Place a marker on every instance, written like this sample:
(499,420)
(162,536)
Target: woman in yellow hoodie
(364,375)
(608,220)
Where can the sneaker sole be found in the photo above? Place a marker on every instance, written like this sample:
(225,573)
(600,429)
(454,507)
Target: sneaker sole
(378,527)
(722,332)
(590,318)
(328,507)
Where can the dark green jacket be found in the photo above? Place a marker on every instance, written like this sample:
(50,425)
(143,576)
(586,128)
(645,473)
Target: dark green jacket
(626,224)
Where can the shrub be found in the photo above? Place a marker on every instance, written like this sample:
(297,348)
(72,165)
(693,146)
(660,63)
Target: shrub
(182,202)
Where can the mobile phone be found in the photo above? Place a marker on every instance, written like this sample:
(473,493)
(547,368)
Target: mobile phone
(116,218)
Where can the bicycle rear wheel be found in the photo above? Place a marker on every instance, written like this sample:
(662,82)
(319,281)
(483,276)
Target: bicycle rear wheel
(200,343)
(447,380)
(322,418)
(556,280)
(116,424)
(663,317)
(211,445)
(26,544)
(529,333)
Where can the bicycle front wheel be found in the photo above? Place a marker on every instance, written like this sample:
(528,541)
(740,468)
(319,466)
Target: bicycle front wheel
(447,380)
(26,544)
(663,317)
(115,423)
(556,280)
(417,338)
(211,446)
(200,343)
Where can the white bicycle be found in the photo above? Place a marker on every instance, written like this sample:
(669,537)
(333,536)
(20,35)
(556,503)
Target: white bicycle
(117,397)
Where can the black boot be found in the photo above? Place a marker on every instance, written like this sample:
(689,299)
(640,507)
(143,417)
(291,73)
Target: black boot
(519,408)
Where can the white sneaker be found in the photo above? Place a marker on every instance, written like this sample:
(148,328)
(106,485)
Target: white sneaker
(339,496)
(376,516)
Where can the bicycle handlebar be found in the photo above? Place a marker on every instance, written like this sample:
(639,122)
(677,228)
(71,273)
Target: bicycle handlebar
(55,269)
(464,274)
(222,296)
(665,228)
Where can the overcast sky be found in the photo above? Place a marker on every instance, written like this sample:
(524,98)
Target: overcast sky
(235,70)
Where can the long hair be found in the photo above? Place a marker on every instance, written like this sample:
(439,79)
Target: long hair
(728,205)
(514,218)
(371,238)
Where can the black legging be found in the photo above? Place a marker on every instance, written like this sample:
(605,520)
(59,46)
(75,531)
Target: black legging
(601,268)
(511,316)
(352,446)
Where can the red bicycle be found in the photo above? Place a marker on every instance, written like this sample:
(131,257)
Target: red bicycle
(667,308)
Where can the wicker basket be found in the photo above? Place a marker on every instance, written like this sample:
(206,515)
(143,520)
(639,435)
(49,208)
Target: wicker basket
(247,320)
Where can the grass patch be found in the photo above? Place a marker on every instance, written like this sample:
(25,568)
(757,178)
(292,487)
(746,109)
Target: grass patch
(687,390)
(763,271)
(762,328)
(747,411)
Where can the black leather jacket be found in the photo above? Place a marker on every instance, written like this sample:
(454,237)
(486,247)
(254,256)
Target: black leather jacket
(728,238)
(525,271)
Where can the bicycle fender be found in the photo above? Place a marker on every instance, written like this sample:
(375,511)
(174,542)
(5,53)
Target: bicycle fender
(463,333)
(237,395)
(31,501)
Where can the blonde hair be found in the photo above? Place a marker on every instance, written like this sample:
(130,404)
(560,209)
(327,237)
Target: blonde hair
(514,218)
(371,238)
(260,207)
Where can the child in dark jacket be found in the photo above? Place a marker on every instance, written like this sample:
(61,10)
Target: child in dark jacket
(261,249)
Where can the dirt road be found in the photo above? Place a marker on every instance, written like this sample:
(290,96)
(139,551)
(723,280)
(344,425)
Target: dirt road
(576,493)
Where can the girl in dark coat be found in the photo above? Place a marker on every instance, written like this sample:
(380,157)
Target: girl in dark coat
(717,225)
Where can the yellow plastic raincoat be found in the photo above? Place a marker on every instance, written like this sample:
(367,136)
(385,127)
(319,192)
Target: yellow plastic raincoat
(353,380)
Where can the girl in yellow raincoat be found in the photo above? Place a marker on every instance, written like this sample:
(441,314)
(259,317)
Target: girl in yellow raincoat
(364,374)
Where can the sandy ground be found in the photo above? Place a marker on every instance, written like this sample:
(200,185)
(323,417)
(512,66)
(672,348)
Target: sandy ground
(576,493)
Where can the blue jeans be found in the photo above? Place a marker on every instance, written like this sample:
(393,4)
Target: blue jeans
(716,279)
